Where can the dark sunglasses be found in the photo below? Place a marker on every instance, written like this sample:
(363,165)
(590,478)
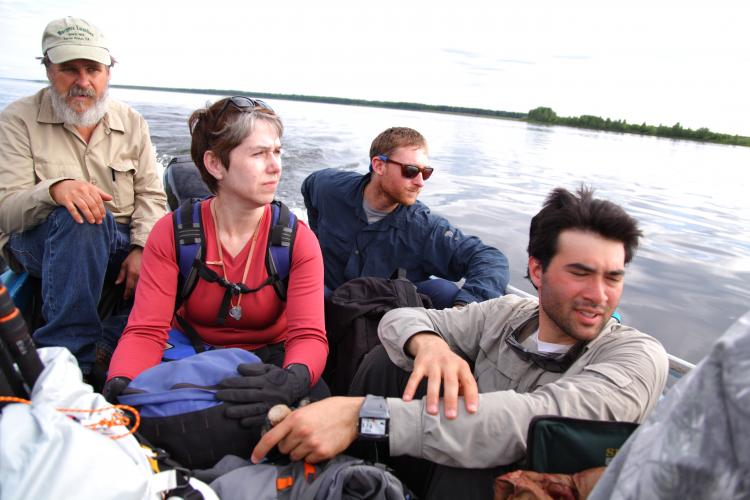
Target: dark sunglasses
(243,104)
(549,363)
(409,171)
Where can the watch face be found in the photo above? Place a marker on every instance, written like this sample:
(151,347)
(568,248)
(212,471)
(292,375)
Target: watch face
(372,426)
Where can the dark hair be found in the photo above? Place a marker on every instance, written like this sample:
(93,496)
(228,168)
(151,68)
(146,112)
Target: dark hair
(224,134)
(563,210)
(396,137)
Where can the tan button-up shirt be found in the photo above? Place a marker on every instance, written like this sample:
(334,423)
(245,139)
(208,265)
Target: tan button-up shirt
(37,150)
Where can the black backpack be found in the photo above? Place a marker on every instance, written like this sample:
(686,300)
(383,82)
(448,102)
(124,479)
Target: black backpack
(353,312)
(182,181)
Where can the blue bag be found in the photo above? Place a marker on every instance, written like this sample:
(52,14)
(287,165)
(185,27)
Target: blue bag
(180,412)
(181,346)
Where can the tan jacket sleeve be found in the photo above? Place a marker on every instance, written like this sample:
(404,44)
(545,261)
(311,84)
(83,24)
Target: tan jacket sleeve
(23,202)
(150,199)
(460,328)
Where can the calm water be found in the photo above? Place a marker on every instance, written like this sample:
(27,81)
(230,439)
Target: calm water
(689,280)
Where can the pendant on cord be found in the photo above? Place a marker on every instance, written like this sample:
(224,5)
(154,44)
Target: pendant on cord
(235,312)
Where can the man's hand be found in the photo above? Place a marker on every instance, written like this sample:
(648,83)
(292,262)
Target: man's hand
(434,360)
(82,199)
(129,272)
(313,433)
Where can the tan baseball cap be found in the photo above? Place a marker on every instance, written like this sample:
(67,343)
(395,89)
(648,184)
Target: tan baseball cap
(72,38)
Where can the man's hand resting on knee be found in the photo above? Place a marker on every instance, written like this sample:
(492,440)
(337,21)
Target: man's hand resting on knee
(82,199)
(435,361)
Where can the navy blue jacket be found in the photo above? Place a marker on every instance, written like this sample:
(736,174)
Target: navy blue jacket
(409,237)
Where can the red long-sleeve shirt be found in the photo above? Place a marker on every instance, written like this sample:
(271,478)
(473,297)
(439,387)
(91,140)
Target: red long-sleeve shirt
(299,322)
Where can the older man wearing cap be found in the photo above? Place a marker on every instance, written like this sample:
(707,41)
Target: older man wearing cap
(79,189)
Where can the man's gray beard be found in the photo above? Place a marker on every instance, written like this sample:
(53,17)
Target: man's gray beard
(69,116)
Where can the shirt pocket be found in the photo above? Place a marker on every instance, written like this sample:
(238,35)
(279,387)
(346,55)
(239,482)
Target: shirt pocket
(46,170)
(123,189)
(523,376)
(492,378)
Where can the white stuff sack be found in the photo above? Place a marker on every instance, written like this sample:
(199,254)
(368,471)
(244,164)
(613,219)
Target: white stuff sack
(46,454)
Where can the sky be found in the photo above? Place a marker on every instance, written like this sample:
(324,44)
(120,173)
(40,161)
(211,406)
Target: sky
(654,61)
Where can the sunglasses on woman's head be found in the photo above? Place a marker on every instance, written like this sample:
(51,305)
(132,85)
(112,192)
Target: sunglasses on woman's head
(243,104)
(409,171)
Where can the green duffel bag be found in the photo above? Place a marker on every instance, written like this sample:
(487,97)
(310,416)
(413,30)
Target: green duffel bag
(562,445)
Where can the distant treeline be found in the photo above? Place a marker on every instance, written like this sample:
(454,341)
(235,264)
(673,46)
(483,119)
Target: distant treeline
(346,101)
(676,131)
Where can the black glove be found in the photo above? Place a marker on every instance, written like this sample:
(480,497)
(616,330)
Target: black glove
(261,387)
(114,387)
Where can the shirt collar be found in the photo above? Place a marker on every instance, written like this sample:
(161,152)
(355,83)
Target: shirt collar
(397,218)
(528,319)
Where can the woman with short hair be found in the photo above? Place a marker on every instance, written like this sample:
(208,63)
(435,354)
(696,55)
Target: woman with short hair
(236,145)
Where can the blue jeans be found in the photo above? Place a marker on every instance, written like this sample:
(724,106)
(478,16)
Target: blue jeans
(73,261)
(441,291)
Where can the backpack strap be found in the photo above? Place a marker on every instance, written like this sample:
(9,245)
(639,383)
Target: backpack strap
(280,245)
(399,274)
(406,293)
(170,478)
(190,250)
(190,246)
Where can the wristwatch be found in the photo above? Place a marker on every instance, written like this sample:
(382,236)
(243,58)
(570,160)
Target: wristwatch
(374,418)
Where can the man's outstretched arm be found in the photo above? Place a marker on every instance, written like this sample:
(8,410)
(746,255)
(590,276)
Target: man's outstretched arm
(313,433)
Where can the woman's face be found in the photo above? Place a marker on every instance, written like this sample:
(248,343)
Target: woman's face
(254,166)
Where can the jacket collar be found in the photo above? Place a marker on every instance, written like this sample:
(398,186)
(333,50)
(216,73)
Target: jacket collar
(47,115)
(530,312)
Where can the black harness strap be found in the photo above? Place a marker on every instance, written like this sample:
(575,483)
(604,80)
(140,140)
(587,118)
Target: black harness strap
(230,289)
(187,329)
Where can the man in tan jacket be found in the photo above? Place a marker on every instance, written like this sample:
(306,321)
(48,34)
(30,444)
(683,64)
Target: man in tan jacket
(561,355)
(79,189)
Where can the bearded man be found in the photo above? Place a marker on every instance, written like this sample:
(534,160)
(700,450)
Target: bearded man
(372,224)
(79,189)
